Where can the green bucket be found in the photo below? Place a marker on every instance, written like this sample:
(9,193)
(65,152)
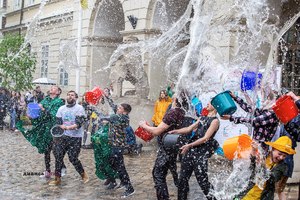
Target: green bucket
(224,104)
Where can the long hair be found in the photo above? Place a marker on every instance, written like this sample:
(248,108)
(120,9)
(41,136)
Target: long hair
(166,95)
(83,100)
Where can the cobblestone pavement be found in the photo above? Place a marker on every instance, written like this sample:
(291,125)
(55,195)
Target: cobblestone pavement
(18,156)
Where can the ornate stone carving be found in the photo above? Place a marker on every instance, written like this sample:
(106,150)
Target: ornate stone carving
(129,67)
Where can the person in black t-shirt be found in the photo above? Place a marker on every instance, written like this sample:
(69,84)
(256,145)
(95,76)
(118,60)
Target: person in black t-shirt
(198,150)
(173,119)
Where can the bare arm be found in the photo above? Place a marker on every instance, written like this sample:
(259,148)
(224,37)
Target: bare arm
(212,128)
(185,129)
(154,130)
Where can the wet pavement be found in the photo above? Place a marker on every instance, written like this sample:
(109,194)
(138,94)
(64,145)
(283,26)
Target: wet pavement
(19,157)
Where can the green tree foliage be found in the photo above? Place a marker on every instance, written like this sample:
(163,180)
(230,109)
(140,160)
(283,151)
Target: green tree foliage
(17,64)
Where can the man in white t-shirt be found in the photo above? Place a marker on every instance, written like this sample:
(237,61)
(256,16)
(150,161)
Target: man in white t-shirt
(70,117)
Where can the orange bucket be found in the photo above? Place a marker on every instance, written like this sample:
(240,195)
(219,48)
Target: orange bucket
(239,146)
(94,95)
(143,134)
(285,109)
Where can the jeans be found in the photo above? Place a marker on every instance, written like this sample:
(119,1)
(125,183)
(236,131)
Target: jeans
(13,118)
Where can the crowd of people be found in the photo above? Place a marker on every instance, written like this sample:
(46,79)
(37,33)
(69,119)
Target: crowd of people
(170,117)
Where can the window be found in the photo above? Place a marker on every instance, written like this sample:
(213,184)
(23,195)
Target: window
(16,4)
(3,22)
(63,77)
(44,61)
(289,58)
(30,2)
(5,4)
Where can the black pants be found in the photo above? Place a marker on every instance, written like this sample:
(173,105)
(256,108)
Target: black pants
(72,145)
(163,163)
(197,162)
(2,115)
(48,157)
(116,162)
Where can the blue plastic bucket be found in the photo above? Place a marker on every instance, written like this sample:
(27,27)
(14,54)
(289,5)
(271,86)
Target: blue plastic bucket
(248,81)
(224,104)
(33,110)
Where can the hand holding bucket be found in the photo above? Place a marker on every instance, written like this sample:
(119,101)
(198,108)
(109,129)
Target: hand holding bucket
(94,95)
(33,110)
(57,133)
(285,109)
(224,104)
(143,134)
(239,146)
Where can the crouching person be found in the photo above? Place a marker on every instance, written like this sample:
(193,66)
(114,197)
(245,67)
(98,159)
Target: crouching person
(275,163)
(70,118)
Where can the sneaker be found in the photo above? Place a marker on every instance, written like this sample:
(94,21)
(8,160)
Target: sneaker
(63,172)
(127,193)
(13,129)
(112,185)
(107,182)
(122,185)
(17,130)
(46,174)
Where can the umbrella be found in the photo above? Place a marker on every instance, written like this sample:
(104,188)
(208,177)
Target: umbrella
(44,81)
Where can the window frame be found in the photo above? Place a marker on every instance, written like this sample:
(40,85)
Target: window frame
(63,73)
(44,74)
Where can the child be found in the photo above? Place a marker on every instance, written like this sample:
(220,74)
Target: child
(117,139)
(275,162)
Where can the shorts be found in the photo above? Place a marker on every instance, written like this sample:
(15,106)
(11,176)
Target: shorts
(280,185)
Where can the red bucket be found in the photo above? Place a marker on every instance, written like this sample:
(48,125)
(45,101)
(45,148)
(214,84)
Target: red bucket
(285,109)
(143,134)
(204,112)
(94,95)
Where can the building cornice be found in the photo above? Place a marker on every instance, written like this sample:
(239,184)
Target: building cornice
(140,31)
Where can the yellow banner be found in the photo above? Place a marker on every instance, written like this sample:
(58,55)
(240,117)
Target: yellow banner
(84,4)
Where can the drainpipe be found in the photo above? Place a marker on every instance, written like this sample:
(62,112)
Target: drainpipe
(21,16)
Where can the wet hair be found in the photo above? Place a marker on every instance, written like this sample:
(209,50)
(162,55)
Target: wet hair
(76,95)
(182,99)
(107,90)
(37,87)
(127,107)
(64,101)
(166,95)
(273,95)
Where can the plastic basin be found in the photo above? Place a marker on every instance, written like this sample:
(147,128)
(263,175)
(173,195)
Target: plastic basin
(237,146)
(285,109)
(224,104)
(94,95)
(143,134)
(249,80)
(33,110)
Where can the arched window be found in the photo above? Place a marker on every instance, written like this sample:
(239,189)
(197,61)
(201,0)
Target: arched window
(289,58)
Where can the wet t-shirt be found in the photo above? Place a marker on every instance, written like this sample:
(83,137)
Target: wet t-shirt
(174,118)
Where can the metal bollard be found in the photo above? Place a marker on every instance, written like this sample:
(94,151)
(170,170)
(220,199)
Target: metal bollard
(88,139)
